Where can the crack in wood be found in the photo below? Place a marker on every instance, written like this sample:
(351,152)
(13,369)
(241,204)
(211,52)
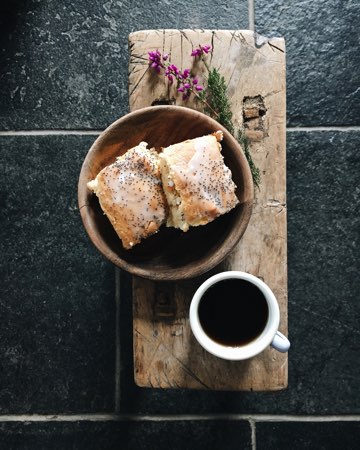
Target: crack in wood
(269,94)
(134,58)
(182,365)
(238,37)
(139,81)
(163,42)
(277,48)
(212,46)
(167,378)
(181,50)
(242,38)
(192,374)
(183,33)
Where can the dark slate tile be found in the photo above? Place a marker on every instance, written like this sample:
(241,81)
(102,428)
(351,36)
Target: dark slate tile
(308,435)
(64,65)
(57,304)
(126,435)
(323,233)
(324,312)
(322,52)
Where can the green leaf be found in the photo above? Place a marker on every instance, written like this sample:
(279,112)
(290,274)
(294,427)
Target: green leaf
(218,99)
(244,142)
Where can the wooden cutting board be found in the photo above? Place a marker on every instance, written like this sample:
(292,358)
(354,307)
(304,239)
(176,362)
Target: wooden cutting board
(166,354)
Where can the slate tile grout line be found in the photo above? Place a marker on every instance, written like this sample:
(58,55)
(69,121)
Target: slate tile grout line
(255,418)
(50,132)
(251,12)
(344,128)
(253,433)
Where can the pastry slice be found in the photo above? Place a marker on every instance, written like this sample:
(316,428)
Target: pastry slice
(197,183)
(131,195)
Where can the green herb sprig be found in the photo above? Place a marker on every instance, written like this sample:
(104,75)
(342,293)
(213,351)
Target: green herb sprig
(255,171)
(218,99)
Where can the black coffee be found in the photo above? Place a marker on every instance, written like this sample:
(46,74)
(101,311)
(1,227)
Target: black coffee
(233,312)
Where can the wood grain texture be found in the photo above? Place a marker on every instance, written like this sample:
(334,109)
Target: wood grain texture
(166,354)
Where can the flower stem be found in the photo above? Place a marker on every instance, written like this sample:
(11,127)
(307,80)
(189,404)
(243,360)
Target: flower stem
(206,103)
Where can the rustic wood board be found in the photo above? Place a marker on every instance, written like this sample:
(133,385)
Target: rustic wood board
(166,354)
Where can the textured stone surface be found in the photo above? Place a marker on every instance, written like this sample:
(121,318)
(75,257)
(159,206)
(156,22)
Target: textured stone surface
(127,435)
(57,303)
(302,435)
(323,197)
(324,312)
(64,65)
(323,58)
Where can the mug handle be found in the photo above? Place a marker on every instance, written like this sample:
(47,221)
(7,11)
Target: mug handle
(280,342)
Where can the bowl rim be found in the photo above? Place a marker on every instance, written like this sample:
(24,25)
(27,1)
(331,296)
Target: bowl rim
(176,273)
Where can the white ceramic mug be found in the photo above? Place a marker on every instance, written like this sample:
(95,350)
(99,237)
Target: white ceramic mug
(268,336)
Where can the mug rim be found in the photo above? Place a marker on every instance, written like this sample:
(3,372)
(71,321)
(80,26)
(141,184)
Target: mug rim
(250,349)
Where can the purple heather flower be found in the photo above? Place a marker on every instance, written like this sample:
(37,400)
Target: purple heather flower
(155,60)
(186,83)
(206,48)
(201,50)
(154,55)
(196,52)
(172,72)
(174,69)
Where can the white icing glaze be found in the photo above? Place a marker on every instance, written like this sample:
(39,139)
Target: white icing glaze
(131,187)
(206,177)
(135,190)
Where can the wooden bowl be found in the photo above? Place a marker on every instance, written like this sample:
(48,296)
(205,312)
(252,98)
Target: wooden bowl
(170,254)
